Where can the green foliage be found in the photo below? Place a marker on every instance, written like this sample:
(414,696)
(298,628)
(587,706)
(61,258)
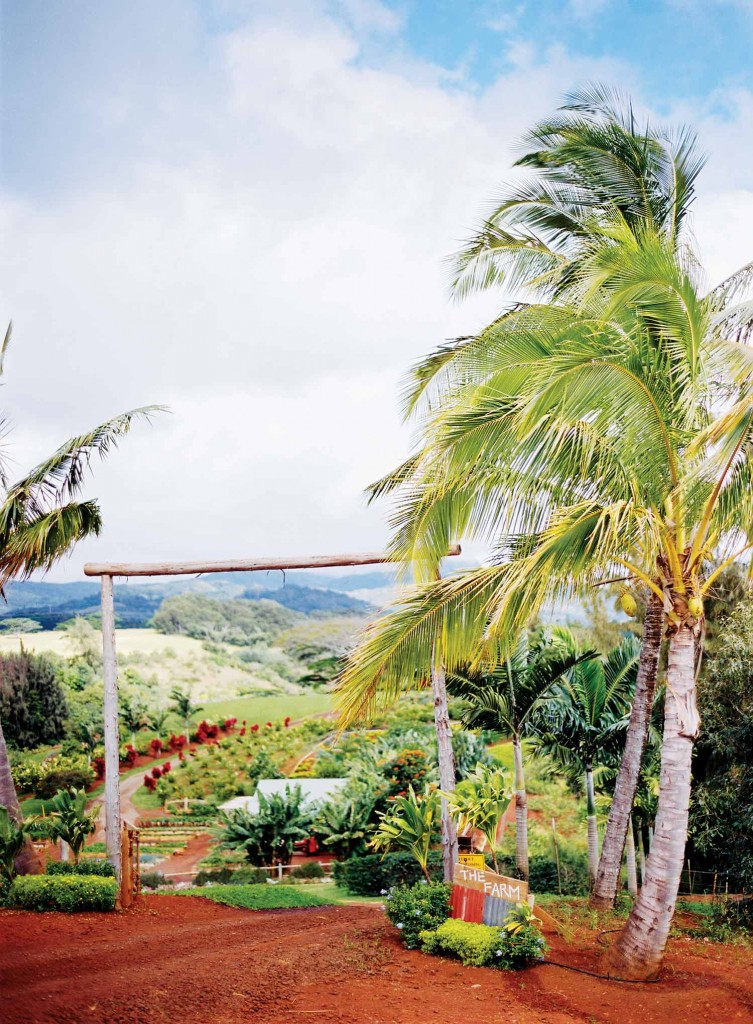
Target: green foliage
(342,823)
(260,897)
(480,945)
(13,836)
(33,707)
(70,821)
(408,770)
(372,875)
(232,622)
(67,893)
(469,751)
(154,880)
(480,801)
(721,815)
(84,867)
(417,908)
(267,837)
(311,869)
(21,625)
(409,824)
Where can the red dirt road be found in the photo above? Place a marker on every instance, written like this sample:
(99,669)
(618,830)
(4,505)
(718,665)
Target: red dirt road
(186,959)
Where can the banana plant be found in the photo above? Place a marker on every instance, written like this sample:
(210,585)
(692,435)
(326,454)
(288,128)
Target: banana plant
(410,824)
(480,801)
(70,821)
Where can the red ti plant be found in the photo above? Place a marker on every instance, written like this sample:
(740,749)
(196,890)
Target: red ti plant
(98,764)
(287,722)
(156,746)
(150,783)
(156,773)
(166,767)
(255,727)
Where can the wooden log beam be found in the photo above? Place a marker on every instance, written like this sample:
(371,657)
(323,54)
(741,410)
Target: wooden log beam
(111,569)
(112,741)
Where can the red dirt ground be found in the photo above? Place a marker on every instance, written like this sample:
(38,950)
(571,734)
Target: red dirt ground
(186,959)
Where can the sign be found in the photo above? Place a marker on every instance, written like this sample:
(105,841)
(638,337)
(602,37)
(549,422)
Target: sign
(472,860)
(512,890)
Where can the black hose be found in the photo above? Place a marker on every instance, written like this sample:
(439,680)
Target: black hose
(592,974)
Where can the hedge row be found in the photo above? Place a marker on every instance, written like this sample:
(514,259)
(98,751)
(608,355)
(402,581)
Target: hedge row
(63,892)
(371,875)
(84,867)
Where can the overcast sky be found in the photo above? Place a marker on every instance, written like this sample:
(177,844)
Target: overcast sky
(242,210)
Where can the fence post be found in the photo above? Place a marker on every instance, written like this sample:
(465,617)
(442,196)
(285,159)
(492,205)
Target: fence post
(112,743)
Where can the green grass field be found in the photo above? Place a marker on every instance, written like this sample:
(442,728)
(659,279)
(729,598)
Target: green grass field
(265,709)
(260,897)
(502,753)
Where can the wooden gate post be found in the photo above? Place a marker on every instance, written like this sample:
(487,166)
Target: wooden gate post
(112,741)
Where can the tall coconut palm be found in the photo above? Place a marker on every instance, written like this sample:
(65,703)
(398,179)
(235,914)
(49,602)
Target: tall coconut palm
(584,719)
(41,521)
(504,698)
(594,170)
(584,440)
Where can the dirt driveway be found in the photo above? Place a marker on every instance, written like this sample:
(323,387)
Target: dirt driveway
(185,959)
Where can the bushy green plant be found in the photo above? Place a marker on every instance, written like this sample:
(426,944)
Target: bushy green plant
(13,836)
(372,875)
(312,869)
(268,836)
(84,867)
(67,893)
(417,908)
(260,897)
(409,824)
(481,945)
(61,776)
(69,820)
(154,879)
(249,876)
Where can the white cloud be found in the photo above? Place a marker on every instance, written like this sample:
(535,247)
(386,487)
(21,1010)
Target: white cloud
(268,262)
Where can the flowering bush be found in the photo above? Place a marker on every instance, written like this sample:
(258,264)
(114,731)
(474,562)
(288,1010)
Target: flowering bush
(98,764)
(150,783)
(156,746)
(229,724)
(417,908)
(128,756)
(156,772)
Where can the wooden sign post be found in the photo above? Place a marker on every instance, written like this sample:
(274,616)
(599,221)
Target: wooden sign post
(484,897)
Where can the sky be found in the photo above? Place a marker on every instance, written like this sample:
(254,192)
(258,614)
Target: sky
(243,211)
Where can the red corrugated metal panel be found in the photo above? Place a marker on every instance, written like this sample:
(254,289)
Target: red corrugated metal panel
(467,904)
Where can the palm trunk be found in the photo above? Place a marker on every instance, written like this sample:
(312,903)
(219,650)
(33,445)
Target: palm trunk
(446,760)
(632,874)
(593,835)
(28,861)
(521,810)
(607,879)
(642,861)
(637,953)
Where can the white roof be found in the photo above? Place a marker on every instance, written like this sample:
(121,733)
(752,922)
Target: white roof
(313,791)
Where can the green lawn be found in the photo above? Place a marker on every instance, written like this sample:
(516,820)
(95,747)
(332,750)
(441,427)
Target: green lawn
(260,897)
(265,709)
(502,752)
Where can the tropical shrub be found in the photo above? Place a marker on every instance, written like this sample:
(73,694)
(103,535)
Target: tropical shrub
(69,820)
(67,893)
(481,945)
(154,879)
(33,708)
(372,875)
(409,824)
(13,835)
(85,867)
(480,801)
(312,869)
(268,836)
(408,770)
(417,908)
(59,777)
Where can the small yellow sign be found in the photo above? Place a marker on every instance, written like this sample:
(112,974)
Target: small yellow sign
(472,860)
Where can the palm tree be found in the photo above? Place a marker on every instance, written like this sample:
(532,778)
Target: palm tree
(184,708)
(41,521)
(597,453)
(70,821)
(504,698)
(409,824)
(594,170)
(585,715)
(133,716)
(156,719)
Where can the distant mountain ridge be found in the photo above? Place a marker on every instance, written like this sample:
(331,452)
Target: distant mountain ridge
(135,603)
